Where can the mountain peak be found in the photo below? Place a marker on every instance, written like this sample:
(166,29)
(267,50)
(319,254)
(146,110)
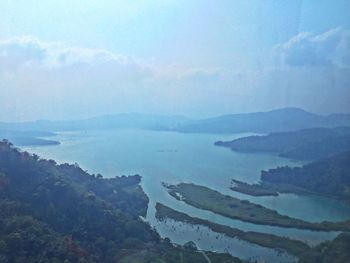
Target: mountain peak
(291,110)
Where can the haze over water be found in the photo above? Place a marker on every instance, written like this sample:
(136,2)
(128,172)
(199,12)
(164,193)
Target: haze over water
(175,157)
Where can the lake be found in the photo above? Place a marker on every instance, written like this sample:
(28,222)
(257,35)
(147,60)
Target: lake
(172,157)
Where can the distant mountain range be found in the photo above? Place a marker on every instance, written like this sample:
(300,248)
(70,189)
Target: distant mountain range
(31,133)
(307,144)
(286,119)
(124,120)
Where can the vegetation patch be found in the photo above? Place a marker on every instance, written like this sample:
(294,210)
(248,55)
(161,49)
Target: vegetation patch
(329,177)
(207,199)
(251,189)
(307,144)
(290,246)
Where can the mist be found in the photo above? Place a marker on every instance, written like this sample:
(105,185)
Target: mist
(173,58)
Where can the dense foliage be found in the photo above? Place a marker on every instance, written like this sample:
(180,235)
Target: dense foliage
(335,251)
(60,213)
(309,144)
(330,177)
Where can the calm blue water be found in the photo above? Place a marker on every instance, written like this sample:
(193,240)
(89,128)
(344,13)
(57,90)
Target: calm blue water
(174,157)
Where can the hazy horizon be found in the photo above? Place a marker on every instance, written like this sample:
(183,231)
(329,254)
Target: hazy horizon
(189,117)
(62,60)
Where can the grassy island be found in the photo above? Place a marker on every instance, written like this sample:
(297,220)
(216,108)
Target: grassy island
(267,189)
(291,246)
(252,189)
(211,200)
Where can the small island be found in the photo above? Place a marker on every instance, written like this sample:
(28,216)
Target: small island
(294,247)
(208,199)
(251,189)
(338,248)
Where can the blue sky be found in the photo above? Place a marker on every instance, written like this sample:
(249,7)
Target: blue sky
(72,59)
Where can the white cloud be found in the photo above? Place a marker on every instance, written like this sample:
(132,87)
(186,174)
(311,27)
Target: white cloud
(30,51)
(51,80)
(21,51)
(331,48)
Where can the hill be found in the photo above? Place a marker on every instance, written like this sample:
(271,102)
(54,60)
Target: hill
(329,177)
(335,251)
(124,120)
(308,144)
(286,119)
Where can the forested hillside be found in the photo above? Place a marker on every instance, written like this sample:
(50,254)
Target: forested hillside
(329,177)
(308,144)
(60,213)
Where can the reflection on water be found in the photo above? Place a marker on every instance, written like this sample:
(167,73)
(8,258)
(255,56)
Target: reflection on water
(175,157)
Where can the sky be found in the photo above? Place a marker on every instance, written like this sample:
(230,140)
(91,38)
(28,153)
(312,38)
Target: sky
(71,59)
